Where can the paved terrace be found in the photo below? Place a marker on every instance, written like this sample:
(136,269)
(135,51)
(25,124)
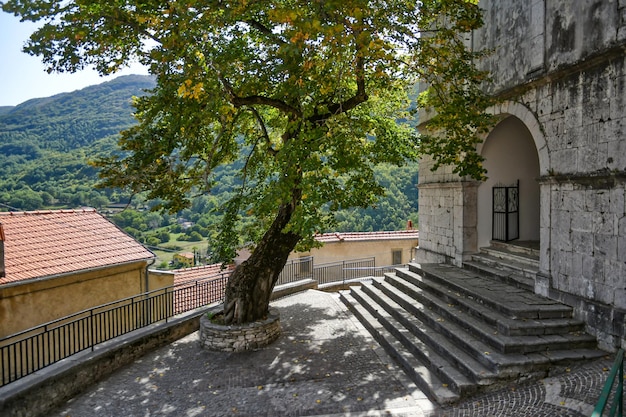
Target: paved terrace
(324,364)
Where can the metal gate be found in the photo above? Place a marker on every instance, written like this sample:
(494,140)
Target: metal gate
(505,219)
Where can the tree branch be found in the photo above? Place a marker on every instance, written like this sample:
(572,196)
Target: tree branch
(264,101)
(239,102)
(265,134)
(359,97)
(265,30)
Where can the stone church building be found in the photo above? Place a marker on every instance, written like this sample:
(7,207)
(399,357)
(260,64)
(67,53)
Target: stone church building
(556,159)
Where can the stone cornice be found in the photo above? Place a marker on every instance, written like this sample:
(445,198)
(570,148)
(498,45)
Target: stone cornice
(603,179)
(542,77)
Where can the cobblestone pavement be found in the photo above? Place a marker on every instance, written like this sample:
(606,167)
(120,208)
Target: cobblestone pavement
(325,363)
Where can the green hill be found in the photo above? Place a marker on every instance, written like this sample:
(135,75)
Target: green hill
(45,143)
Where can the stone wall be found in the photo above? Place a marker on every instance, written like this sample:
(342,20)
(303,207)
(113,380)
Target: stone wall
(564,64)
(238,338)
(447,221)
(38,393)
(536,37)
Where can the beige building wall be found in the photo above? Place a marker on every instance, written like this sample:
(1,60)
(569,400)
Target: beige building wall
(159,279)
(32,303)
(381,250)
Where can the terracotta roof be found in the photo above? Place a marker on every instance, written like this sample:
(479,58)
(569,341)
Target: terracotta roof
(185,275)
(363,236)
(46,243)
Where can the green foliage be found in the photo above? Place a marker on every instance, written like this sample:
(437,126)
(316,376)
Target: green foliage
(455,90)
(45,144)
(300,100)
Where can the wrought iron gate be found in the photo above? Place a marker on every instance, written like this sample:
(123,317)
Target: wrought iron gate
(505,218)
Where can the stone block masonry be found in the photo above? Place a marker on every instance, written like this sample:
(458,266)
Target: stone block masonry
(560,69)
(233,338)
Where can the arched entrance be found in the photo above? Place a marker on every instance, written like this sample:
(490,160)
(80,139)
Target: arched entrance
(511,158)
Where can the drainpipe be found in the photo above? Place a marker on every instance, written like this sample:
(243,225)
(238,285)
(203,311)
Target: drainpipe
(147,275)
(2,239)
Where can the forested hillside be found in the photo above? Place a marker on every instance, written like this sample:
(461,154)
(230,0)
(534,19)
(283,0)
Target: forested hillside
(45,146)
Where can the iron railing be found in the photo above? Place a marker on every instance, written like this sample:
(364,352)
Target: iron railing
(24,353)
(29,351)
(616,376)
(296,270)
(340,272)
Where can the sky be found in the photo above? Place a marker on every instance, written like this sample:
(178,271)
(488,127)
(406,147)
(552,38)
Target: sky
(23,77)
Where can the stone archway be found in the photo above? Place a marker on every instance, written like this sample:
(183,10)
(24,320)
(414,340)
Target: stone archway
(511,155)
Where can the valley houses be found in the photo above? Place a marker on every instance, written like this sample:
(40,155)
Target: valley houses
(556,159)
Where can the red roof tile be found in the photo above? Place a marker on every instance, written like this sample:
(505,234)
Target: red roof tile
(44,243)
(185,275)
(363,236)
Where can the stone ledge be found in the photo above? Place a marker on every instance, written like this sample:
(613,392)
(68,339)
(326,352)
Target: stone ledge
(239,338)
(38,393)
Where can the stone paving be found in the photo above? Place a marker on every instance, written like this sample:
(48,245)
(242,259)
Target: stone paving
(324,363)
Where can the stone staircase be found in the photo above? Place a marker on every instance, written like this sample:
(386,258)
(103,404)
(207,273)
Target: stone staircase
(514,263)
(457,331)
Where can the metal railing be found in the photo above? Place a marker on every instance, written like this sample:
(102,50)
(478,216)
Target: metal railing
(616,376)
(343,271)
(296,270)
(29,351)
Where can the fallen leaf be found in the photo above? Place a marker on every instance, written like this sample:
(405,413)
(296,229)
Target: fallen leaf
(260,387)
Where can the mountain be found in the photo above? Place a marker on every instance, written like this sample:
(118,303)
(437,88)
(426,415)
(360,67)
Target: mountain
(71,120)
(45,142)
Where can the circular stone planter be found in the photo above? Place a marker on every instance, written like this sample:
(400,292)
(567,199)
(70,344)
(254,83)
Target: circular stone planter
(239,338)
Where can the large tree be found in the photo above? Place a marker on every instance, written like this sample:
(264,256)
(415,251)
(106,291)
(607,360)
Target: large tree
(309,92)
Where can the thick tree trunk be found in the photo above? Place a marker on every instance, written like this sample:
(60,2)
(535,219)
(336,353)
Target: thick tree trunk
(250,286)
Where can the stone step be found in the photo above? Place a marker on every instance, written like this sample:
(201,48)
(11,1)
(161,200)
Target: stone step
(429,332)
(506,258)
(515,302)
(512,263)
(488,326)
(518,275)
(528,249)
(424,378)
(456,307)
(432,355)
(470,355)
(445,349)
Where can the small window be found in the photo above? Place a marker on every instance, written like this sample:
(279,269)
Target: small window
(396,256)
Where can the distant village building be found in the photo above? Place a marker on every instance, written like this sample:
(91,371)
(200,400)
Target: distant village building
(556,159)
(56,263)
(386,247)
(184,259)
